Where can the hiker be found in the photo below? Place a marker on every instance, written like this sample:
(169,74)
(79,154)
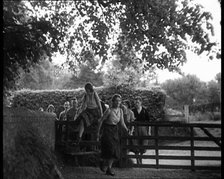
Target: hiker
(141,115)
(110,142)
(91,110)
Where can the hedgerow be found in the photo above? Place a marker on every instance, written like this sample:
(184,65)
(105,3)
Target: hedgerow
(153,100)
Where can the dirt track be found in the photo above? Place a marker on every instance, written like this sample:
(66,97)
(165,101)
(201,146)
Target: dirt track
(138,173)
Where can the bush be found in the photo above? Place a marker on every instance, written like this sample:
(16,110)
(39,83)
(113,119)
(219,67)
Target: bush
(31,158)
(153,100)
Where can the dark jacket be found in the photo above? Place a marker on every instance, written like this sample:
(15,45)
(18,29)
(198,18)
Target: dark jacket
(143,116)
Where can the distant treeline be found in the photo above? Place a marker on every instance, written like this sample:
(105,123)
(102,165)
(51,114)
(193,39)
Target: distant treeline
(209,107)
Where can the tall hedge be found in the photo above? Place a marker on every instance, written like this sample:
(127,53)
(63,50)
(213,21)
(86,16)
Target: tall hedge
(28,144)
(153,99)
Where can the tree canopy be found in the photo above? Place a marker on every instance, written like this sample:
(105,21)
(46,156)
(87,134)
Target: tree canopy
(159,31)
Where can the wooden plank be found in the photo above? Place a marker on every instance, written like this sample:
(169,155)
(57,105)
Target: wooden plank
(211,136)
(192,149)
(173,157)
(176,124)
(159,123)
(181,138)
(174,148)
(177,167)
(82,153)
(156,147)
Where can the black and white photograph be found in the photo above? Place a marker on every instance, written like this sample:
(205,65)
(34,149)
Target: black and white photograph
(125,89)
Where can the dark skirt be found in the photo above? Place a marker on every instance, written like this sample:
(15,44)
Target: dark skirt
(89,116)
(110,142)
(140,131)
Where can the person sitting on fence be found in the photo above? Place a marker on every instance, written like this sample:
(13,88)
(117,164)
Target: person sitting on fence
(141,115)
(110,142)
(91,110)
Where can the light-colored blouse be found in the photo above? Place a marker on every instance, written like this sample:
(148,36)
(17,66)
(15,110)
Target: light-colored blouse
(91,100)
(113,116)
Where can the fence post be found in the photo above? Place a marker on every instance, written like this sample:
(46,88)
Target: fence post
(156,147)
(192,149)
(186,113)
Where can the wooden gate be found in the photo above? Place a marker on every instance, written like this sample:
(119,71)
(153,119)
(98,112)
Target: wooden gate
(191,148)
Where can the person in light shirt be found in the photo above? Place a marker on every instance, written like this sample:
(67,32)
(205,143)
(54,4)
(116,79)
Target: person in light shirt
(110,141)
(90,112)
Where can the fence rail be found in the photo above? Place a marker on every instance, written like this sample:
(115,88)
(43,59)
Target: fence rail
(157,147)
(192,148)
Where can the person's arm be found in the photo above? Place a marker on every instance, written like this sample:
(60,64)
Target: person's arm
(125,111)
(98,103)
(60,116)
(132,118)
(148,119)
(83,105)
(122,120)
(105,116)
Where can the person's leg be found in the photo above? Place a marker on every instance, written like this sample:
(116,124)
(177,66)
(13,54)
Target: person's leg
(109,171)
(140,159)
(137,159)
(102,165)
(81,128)
(80,131)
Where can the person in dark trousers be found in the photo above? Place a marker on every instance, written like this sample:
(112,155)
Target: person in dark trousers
(141,115)
(110,141)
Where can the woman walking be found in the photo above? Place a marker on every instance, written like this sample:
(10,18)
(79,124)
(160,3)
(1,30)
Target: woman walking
(110,142)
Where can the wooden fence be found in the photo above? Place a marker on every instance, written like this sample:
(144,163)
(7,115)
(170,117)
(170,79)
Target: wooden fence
(192,148)
(68,146)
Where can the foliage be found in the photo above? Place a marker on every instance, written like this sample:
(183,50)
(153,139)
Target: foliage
(214,92)
(43,75)
(154,100)
(87,72)
(184,90)
(31,157)
(125,68)
(189,90)
(218,78)
(27,38)
(75,27)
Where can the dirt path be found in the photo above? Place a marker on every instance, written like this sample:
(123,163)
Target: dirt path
(138,173)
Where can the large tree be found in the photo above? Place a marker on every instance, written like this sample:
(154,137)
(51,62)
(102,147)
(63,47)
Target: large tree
(160,31)
(186,90)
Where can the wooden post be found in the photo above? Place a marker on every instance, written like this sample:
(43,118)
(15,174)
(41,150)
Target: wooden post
(192,149)
(186,113)
(156,147)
